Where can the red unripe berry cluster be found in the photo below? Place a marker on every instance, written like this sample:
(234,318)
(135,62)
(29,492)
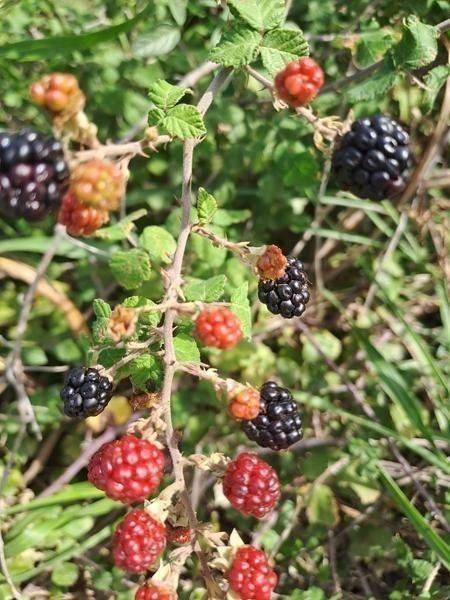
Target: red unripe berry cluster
(272,263)
(300,80)
(58,92)
(79,219)
(251,576)
(95,189)
(245,405)
(179,535)
(218,327)
(128,469)
(153,591)
(251,485)
(138,542)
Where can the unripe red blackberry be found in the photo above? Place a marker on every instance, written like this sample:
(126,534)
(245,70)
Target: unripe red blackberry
(372,160)
(79,219)
(86,392)
(128,469)
(218,327)
(272,263)
(251,576)
(251,485)
(288,295)
(299,81)
(33,174)
(278,424)
(155,591)
(245,404)
(98,183)
(58,92)
(138,542)
(179,535)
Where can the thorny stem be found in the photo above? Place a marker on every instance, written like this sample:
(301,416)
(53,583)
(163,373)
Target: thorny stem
(173,283)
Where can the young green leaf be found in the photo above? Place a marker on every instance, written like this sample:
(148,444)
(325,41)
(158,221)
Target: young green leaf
(130,267)
(206,206)
(322,506)
(240,305)
(142,369)
(281,46)
(418,46)
(239,46)
(376,85)
(260,14)
(121,229)
(207,290)
(101,308)
(155,117)
(165,95)
(184,121)
(186,349)
(158,42)
(159,243)
(434,81)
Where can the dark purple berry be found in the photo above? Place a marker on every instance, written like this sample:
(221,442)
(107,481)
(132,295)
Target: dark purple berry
(287,295)
(86,392)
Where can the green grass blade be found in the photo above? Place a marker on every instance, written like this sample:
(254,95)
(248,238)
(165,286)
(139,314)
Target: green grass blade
(434,541)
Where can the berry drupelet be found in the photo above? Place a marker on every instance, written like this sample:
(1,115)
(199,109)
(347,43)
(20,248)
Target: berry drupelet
(86,392)
(251,485)
(373,158)
(98,183)
(288,295)
(218,327)
(138,542)
(33,174)
(58,92)
(251,576)
(245,404)
(299,81)
(155,591)
(278,424)
(128,469)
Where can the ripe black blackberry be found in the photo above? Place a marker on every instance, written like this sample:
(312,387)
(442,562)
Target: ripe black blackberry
(86,392)
(287,295)
(33,173)
(373,158)
(278,424)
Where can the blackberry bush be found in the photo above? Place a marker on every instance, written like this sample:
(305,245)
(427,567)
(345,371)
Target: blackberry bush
(373,158)
(33,174)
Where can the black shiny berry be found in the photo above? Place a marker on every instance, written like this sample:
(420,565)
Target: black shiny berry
(278,424)
(288,295)
(373,158)
(85,393)
(33,174)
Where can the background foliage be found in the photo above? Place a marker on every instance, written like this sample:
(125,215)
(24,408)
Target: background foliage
(344,527)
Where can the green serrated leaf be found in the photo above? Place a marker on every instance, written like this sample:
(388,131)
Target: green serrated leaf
(207,290)
(238,47)
(130,267)
(240,305)
(434,81)
(372,45)
(152,317)
(120,231)
(260,14)
(159,243)
(101,308)
(184,121)
(418,46)
(186,349)
(206,206)
(155,117)
(281,46)
(376,85)
(158,42)
(165,95)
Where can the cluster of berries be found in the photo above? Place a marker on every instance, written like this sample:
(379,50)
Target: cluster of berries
(96,188)
(33,174)
(59,93)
